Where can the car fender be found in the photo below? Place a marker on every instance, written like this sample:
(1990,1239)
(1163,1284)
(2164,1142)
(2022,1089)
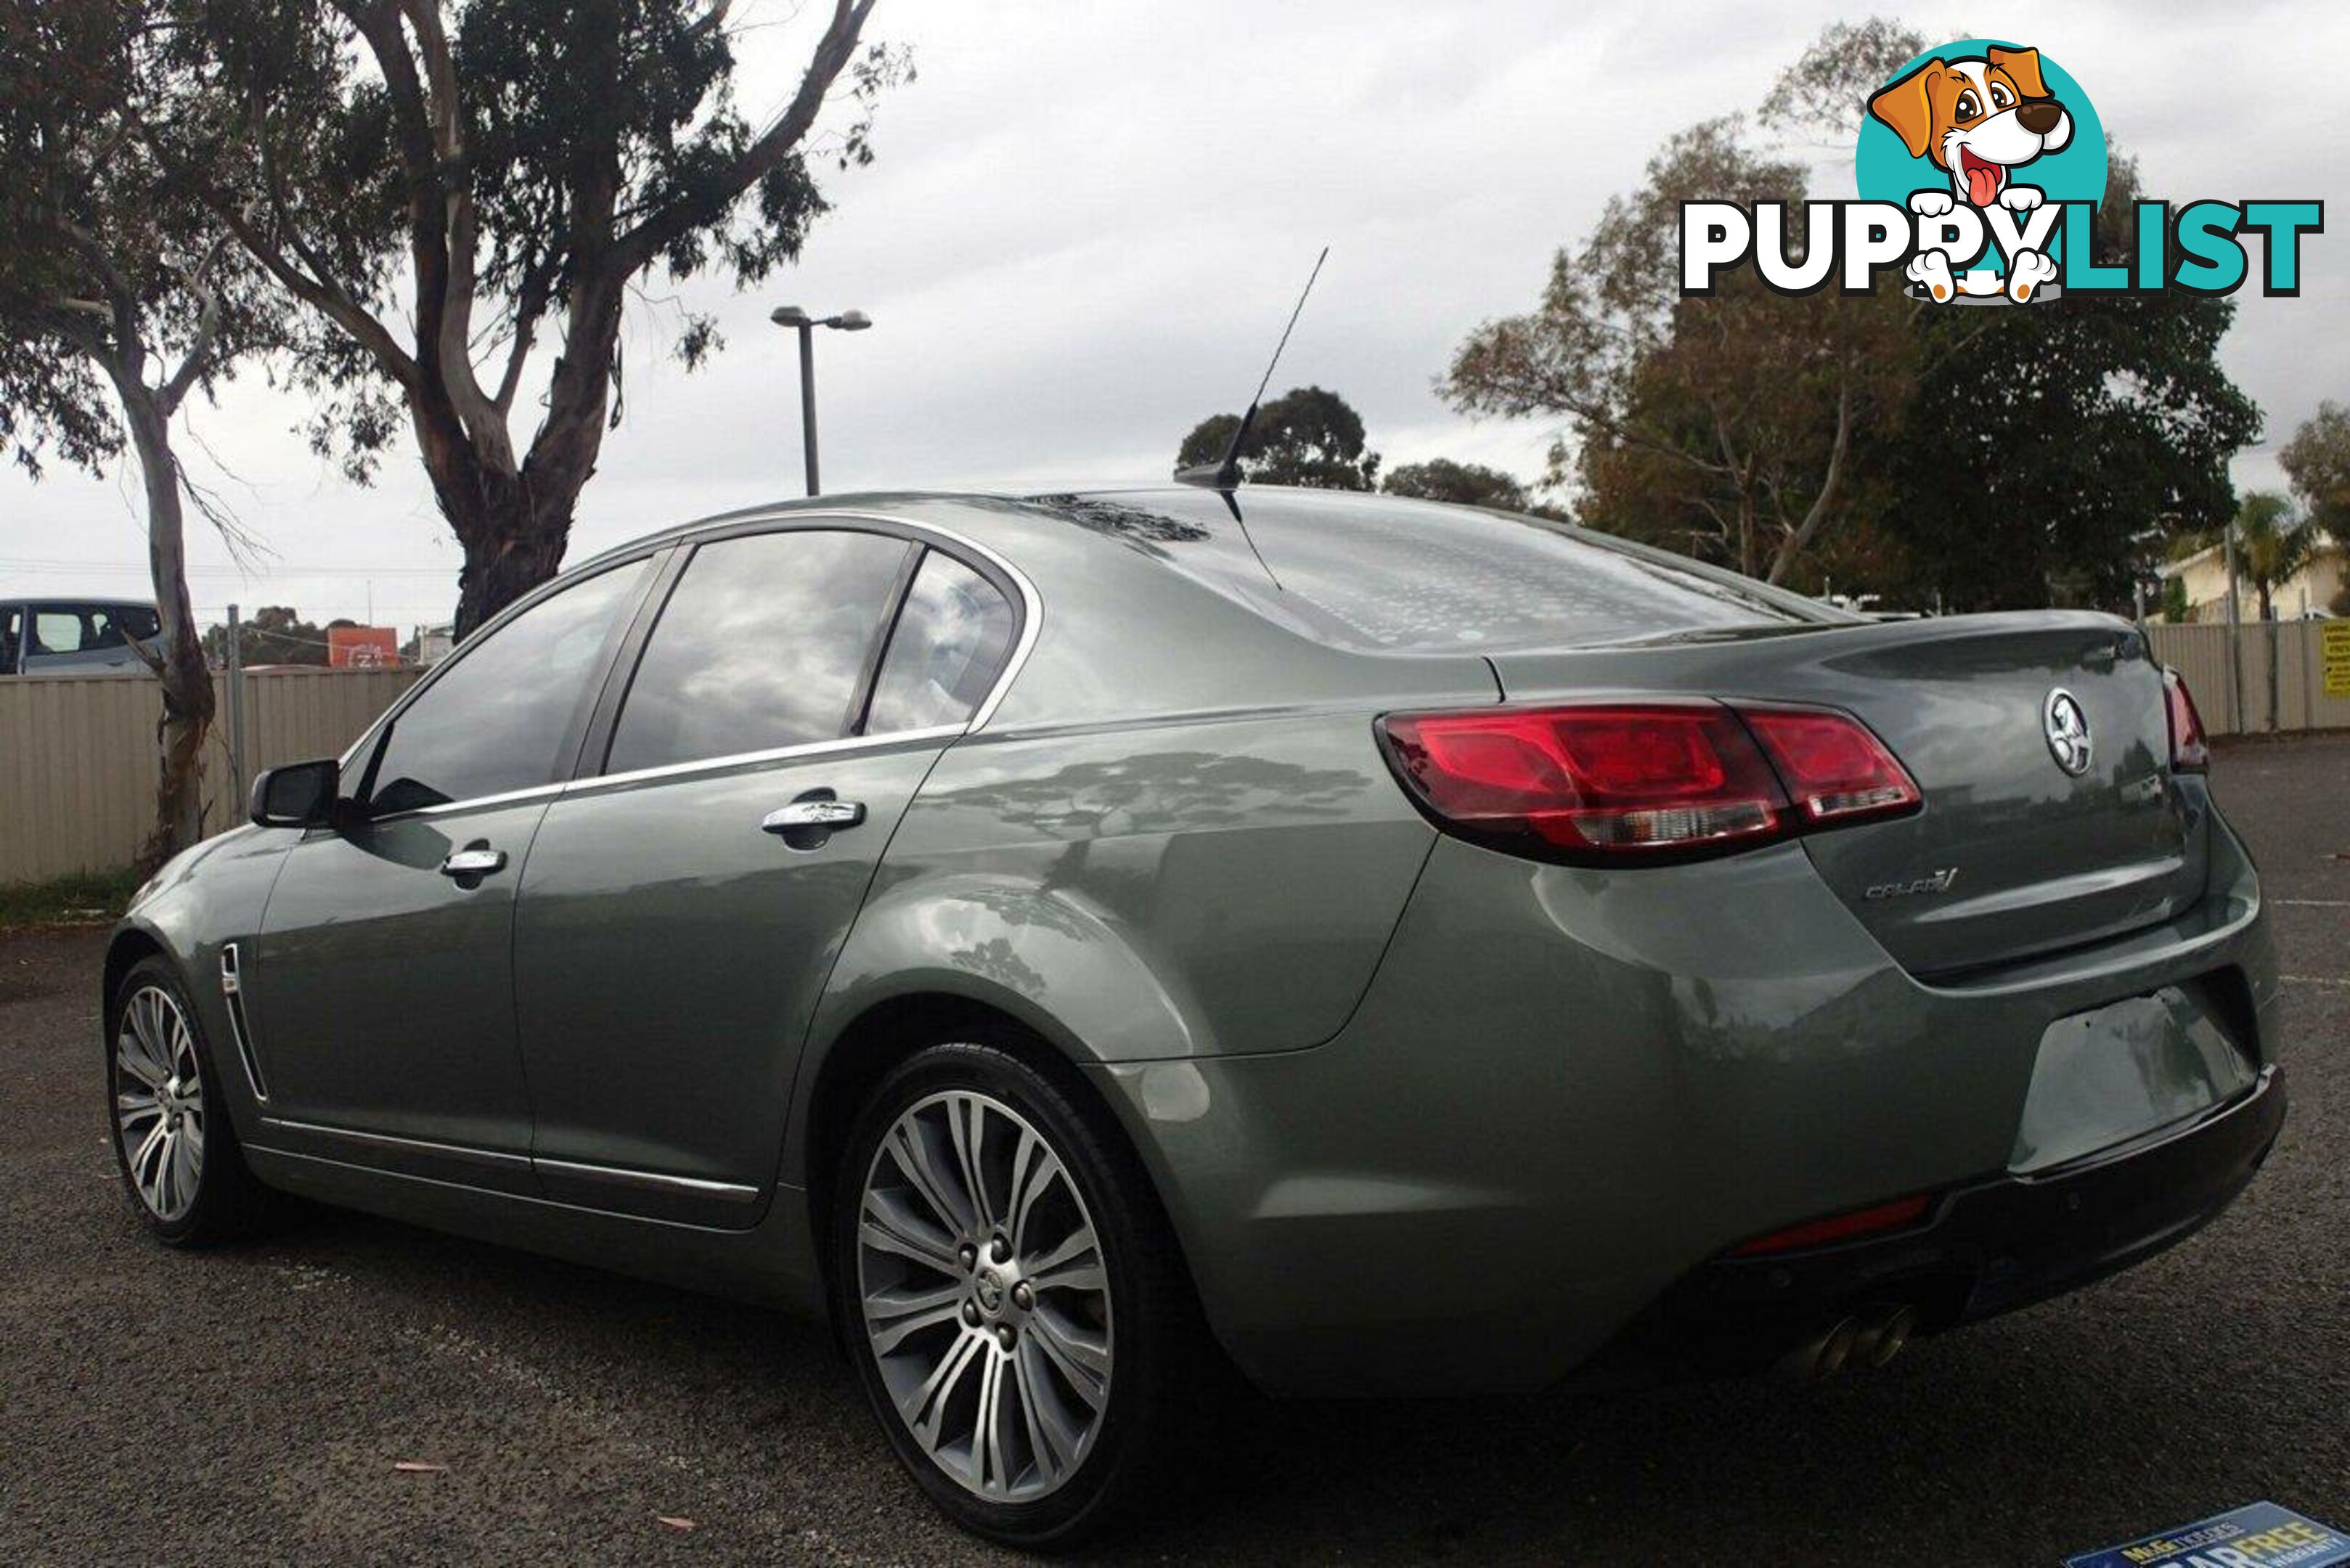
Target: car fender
(189,919)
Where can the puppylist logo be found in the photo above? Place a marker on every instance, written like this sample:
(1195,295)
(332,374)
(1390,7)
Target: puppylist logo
(1980,167)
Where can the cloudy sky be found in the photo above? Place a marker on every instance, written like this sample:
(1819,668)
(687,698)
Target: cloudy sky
(1087,223)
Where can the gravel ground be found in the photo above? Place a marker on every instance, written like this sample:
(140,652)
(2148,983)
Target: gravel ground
(256,1404)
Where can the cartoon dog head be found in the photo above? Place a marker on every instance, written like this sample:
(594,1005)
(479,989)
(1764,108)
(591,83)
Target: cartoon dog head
(1976,118)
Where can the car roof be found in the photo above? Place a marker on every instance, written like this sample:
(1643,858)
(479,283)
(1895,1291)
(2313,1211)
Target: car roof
(75,601)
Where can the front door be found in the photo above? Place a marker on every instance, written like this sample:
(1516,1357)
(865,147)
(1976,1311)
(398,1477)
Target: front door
(680,916)
(382,984)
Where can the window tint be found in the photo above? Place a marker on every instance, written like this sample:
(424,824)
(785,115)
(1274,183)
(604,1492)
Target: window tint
(136,621)
(760,646)
(951,640)
(57,631)
(497,718)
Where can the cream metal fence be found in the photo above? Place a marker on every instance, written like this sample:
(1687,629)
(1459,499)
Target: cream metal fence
(2298,650)
(78,757)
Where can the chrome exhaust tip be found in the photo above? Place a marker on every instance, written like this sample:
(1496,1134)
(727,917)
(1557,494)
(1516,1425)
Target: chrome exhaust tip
(1883,1330)
(1822,1356)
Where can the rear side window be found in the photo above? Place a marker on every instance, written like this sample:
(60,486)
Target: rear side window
(136,622)
(951,640)
(497,717)
(763,645)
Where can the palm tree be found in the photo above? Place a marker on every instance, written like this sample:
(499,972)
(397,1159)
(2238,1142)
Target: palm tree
(2272,545)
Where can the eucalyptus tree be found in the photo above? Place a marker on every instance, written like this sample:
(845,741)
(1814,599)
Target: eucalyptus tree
(463,195)
(120,297)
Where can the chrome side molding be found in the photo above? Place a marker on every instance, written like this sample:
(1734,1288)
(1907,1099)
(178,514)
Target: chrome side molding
(652,1180)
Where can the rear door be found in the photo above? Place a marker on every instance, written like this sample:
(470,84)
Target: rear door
(681,913)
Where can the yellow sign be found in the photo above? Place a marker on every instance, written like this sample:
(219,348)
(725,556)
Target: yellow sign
(2337,658)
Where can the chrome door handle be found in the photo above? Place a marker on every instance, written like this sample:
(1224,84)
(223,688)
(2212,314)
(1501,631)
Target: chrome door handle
(473,862)
(825,816)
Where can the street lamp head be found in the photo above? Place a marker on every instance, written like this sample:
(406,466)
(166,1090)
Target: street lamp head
(851,321)
(789,316)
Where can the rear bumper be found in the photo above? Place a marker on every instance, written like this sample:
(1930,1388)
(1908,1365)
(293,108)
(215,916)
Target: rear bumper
(1985,1247)
(1567,1095)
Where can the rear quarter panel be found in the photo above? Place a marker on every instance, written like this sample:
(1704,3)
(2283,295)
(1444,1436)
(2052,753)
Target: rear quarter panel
(1140,893)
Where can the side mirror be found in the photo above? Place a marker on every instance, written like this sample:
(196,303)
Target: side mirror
(299,795)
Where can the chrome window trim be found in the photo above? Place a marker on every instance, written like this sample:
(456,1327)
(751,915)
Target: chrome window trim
(1031,620)
(699,1186)
(479,802)
(844,743)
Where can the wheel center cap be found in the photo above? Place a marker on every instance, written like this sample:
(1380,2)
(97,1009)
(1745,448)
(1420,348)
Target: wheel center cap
(989,1287)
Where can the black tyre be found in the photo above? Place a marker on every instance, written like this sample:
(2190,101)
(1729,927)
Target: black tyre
(180,1160)
(1010,1295)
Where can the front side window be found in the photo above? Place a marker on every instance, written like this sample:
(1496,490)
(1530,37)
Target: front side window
(497,717)
(951,640)
(761,646)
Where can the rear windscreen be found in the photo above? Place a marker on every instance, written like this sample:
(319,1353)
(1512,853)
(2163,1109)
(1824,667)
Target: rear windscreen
(1389,576)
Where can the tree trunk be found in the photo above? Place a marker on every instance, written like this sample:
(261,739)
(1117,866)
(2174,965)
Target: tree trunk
(186,680)
(2268,623)
(511,549)
(514,527)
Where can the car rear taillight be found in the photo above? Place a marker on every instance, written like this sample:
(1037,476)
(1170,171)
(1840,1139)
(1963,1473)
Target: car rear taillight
(1642,781)
(1834,768)
(2190,753)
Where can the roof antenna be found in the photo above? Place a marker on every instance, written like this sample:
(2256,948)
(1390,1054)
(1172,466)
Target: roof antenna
(1224,476)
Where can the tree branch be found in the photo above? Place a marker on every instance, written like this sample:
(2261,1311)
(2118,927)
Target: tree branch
(1785,560)
(638,247)
(456,240)
(198,357)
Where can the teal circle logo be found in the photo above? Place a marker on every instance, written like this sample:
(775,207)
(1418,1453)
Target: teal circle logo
(1987,128)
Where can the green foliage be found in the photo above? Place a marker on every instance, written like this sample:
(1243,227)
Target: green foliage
(2175,608)
(2047,443)
(274,634)
(1465,483)
(2317,461)
(1721,425)
(86,897)
(1824,94)
(1973,457)
(2272,545)
(111,280)
(1306,436)
(452,187)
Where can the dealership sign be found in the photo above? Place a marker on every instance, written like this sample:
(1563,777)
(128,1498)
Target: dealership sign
(1980,167)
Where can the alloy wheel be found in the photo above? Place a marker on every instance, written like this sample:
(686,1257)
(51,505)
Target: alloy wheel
(159,1103)
(986,1295)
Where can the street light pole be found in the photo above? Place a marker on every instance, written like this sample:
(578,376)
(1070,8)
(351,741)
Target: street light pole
(800,321)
